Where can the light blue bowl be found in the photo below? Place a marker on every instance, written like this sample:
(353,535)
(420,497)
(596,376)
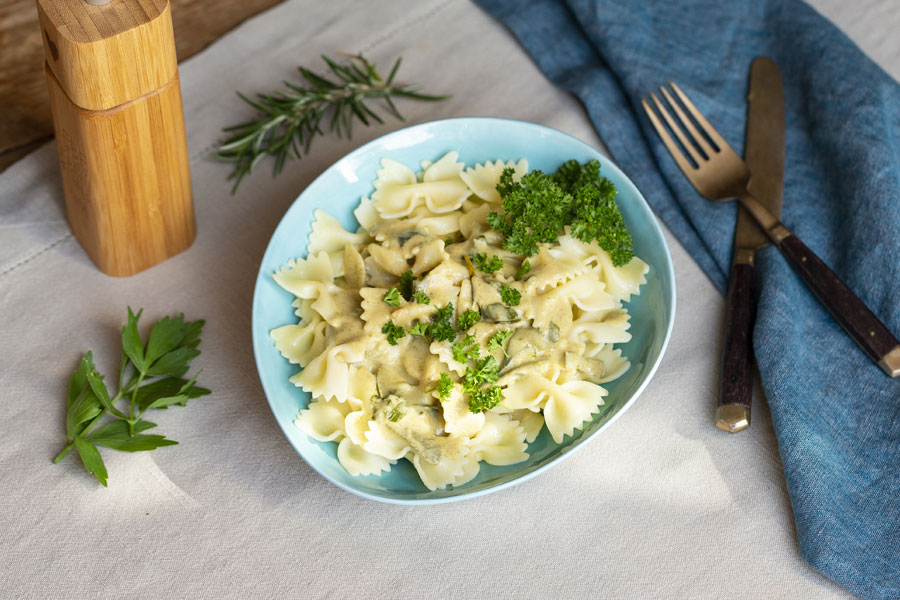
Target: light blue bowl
(338,190)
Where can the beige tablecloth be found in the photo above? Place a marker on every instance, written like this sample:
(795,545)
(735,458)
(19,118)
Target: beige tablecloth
(661,505)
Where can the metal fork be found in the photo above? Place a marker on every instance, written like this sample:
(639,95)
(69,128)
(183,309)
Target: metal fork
(720,174)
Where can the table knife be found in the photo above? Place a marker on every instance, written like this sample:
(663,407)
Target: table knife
(764,154)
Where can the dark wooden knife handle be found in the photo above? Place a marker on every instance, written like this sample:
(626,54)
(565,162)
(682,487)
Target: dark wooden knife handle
(853,315)
(735,379)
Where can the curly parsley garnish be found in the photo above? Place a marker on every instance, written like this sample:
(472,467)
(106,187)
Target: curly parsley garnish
(538,207)
(465,349)
(510,296)
(420,297)
(441,329)
(487,265)
(465,321)
(392,297)
(485,399)
(393,332)
(443,387)
(498,341)
(486,370)
(419,329)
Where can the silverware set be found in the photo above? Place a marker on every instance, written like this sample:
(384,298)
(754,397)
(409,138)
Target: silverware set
(719,174)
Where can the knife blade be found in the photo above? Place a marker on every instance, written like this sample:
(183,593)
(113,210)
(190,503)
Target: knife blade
(764,152)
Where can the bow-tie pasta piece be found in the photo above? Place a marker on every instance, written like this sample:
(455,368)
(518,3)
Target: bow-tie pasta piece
(328,375)
(382,441)
(482,179)
(358,461)
(367,215)
(531,421)
(500,442)
(458,419)
(455,471)
(570,405)
(602,327)
(323,420)
(311,279)
(328,235)
(300,343)
(398,191)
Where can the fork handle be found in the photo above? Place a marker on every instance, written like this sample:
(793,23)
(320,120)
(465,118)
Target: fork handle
(854,316)
(735,380)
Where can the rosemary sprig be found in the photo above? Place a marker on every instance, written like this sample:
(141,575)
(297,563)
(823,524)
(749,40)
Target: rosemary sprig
(290,119)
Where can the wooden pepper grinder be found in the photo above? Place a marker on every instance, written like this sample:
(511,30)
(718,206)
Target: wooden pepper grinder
(116,103)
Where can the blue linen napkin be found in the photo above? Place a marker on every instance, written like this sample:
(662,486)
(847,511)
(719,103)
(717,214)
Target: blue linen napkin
(836,414)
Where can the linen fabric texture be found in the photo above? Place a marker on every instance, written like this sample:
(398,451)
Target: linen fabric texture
(836,414)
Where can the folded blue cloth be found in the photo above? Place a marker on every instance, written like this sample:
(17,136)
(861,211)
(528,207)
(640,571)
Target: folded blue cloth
(836,414)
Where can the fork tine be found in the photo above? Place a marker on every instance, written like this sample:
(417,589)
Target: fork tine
(688,124)
(698,116)
(669,143)
(698,160)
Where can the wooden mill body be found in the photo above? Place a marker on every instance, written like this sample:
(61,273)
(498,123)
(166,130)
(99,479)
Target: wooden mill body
(119,122)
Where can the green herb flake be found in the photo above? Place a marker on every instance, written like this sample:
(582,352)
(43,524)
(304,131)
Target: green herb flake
(498,341)
(485,399)
(487,265)
(486,370)
(393,332)
(392,297)
(465,350)
(396,409)
(538,207)
(510,296)
(441,329)
(406,284)
(419,329)
(465,321)
(443,387)
(523,269)
(420,297)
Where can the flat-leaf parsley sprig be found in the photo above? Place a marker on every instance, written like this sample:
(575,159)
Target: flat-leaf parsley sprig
(151,376)
(289,119)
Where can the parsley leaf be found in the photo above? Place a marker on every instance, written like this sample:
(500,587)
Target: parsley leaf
(510,296)
(443,387)
(150,377)
(487,265)
(538,207)
(523,268)
(465,321)
(486,371)
(419,329)
(465,350)
(497,341)
(392,297)
(420,297)
(393,332)
(406,284)
(485,399)
(441,329)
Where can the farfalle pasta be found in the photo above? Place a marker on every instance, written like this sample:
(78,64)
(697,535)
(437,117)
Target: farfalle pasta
(421,338)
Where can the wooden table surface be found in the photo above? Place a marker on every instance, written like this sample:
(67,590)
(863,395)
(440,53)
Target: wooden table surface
(25,120)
